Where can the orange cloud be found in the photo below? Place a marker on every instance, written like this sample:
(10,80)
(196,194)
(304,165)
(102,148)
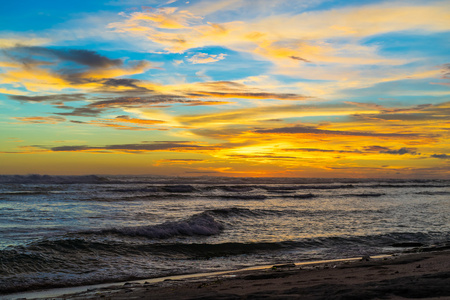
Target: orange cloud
(40,120)
(127,119)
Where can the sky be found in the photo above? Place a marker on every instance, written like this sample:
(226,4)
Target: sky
(260,88)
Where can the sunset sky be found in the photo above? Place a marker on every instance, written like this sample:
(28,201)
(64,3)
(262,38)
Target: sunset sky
(307,88)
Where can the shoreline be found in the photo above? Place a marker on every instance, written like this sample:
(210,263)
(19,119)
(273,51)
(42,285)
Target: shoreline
(388,276)
(55,292)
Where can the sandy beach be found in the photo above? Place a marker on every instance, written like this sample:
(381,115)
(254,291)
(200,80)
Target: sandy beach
(423,275)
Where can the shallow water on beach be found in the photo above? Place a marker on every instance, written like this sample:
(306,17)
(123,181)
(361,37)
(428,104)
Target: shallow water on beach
(74,230)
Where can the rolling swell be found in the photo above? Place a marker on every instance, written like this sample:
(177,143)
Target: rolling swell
(48,179)
(200,224)
(52,263)
(207,223)
(83,255)
(434,193)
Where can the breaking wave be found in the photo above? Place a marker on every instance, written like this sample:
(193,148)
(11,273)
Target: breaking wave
(201,224)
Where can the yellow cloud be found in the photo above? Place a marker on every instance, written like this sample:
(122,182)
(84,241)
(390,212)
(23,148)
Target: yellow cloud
(167,18)
(254,115)
(41,78)
(23,40)
(298,36)
(40,120)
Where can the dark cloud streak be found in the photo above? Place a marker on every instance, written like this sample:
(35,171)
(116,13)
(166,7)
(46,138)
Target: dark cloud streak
(49,98)
(440,156)
(312,130)
(130,147)
(79,56)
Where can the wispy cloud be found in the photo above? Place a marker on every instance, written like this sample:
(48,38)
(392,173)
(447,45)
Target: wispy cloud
(205,58)
(133,148)
(45,69)
(313,130)
(245,88)
(440,156)
(40,120)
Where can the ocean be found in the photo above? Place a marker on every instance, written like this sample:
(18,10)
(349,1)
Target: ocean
(78,230)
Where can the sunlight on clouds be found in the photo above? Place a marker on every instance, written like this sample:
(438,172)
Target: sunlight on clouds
(287,36)
(204,58)
(22,40)
(234,88)
(168,18)
(253,116)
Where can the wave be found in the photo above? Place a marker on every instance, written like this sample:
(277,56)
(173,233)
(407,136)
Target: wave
(232,188)
(376,242)
(433,193)
(364,195)
(225,214)
(231,211)
(66,261)
(298,196)
(182,188)
(201,224)
(25,193)
(67,252)
(308,187)
(243,197)
(50,179)
(408,185)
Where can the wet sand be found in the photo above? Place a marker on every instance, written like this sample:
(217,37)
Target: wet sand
(405,276)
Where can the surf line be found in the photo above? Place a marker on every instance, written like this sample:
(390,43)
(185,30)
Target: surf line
(67,291)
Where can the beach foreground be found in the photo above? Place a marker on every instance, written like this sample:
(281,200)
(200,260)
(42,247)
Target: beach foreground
(420,276)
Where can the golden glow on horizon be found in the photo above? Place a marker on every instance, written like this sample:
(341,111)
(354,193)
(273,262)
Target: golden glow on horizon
(229,88)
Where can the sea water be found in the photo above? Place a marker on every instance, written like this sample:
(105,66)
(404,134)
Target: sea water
(78,230)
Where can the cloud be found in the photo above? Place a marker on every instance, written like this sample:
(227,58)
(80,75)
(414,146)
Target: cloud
(124,82)
(286,36)
(203,172)
(80,56)
(231,89)
(49,98)
(251,116)
(264,156)
(127,119)
(144,147)
(181,160)
(139,102)
(401,151)
(29,39)
(250,95)
(113,125)
(299,58)
(81,112)
(40,120)
(390,110)
(313,130)
(47,69)
(440,156)
(178,161)
(204,58)
(163,18)
(321,150)
(423,112)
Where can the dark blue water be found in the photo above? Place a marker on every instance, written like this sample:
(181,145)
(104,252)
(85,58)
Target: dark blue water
(68,230)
